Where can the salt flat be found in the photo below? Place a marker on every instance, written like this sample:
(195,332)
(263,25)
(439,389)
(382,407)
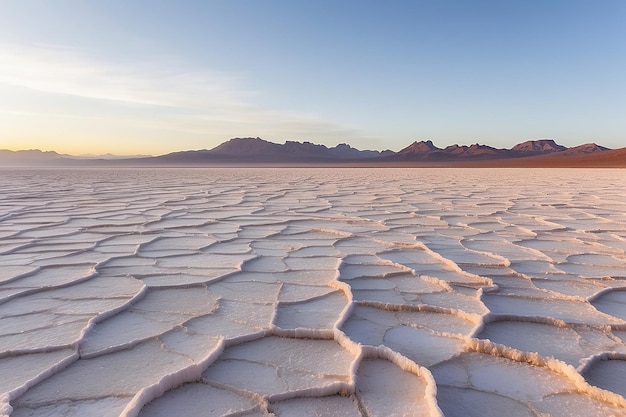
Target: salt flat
(312,292)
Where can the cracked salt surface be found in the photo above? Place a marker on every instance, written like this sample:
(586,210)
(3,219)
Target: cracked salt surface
(289,292)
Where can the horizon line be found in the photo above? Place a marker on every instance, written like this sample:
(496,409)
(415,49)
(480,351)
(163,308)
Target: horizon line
(140,154)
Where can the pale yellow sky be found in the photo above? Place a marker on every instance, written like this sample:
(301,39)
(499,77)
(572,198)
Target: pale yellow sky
(55,99)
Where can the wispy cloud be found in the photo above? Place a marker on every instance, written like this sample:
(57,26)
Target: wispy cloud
(60,70)
(162,94)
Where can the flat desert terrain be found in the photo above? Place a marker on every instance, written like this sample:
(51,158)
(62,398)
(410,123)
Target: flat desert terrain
(312,292)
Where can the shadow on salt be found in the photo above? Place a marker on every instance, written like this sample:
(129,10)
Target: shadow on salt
(280,368)
(567,310)
(426,337)
(477,384)
(96,385)
(574,345)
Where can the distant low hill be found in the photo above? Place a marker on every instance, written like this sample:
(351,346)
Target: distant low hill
(35,157)
(256,151)
(31,157)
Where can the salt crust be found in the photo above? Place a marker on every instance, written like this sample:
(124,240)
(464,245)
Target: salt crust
(305,294)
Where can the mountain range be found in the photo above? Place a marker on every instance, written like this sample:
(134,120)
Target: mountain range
(256,151)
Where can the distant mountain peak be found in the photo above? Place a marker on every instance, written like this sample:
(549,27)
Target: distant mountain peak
(237,146)
(584,149)
(539,146)
(419,147)
(343,146)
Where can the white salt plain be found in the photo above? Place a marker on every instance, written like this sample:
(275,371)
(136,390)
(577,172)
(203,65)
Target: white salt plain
(312,292)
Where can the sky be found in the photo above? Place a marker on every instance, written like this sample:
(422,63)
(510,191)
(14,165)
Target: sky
(152,77)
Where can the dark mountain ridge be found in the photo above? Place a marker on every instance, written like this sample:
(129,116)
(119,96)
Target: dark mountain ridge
(251,151)
(426,151)
(257,150)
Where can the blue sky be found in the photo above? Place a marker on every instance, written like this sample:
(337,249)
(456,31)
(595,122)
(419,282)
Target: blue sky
(153,77)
